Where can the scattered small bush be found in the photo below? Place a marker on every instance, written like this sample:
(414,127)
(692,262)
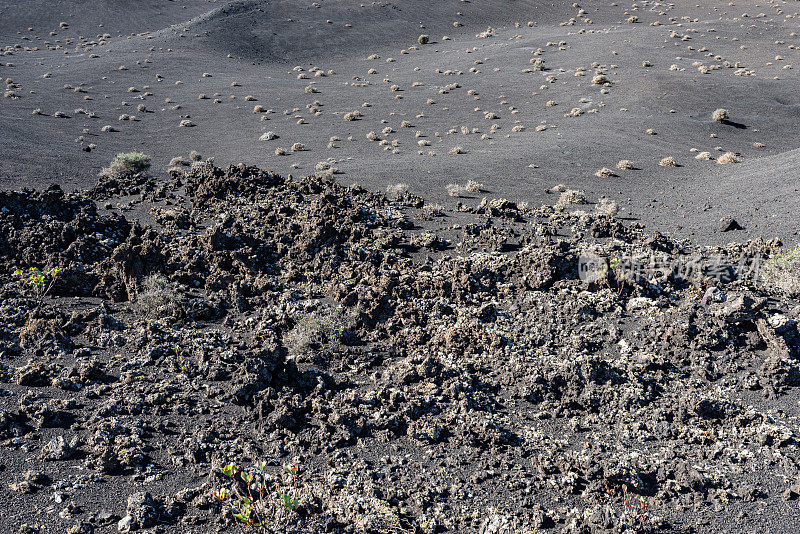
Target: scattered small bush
(607,207)
(605,172)
(720,115)
(668,162)
(396,191)
(572,196)
(625,165)
(127,164)
(473,187)
(782,272)
(728,157)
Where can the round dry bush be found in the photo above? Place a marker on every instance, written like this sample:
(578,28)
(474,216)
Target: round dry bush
(605,172)
(668,162)
(720,115)
(571,196)
(625,164)
(728,157)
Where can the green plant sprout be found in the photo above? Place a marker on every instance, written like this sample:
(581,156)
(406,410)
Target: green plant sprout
(255,499)
(37,281)
(181,361)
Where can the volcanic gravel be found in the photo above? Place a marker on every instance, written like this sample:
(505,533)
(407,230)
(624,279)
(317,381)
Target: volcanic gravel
(397,367)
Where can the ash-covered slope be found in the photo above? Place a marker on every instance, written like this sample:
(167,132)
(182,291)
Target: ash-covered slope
(506,97)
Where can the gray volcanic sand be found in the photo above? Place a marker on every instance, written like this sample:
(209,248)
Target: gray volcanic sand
(270,49)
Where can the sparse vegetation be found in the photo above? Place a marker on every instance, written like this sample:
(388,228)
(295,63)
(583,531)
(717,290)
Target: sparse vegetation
(605,172)
(572,196)
(473,187)
(257,499)
(728,157)
(668,162)
(396,191)
(782,271)
(38,282)
(322,331)
(607,207)
(127,164)
(158,298)
(625,164)
(720,115)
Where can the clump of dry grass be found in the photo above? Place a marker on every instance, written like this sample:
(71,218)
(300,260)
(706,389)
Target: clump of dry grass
(607,207)
(430,211)
(473,187)
(782,272)
(179,161)
(396,191)
(186,123)
(605,172)
(455,190)
(728,157)
(457,150)
(625,165)
(571,196)
(127,165)
(298,147)
(352,116)
(423,39)
(720,115)
(258,108)
(326,167)
(703,155)
(268,136)
(668,162)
